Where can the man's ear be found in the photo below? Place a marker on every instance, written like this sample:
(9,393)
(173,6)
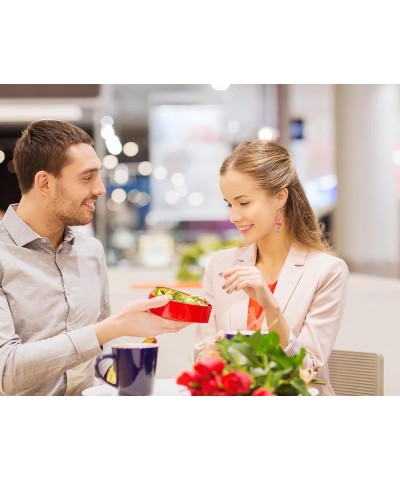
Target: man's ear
(42,182)
(282,197)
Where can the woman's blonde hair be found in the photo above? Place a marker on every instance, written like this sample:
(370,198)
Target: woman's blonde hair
(270,166)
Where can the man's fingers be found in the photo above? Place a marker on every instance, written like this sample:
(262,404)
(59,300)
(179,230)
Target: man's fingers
(155,302)
(171,326)
(144,304)
(176,324)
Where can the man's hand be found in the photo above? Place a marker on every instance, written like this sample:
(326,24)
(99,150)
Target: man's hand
(134,320)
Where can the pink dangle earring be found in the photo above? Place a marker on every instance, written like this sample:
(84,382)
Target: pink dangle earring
(278,222)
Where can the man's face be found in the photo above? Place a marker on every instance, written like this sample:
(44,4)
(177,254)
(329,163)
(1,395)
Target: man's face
(77,187)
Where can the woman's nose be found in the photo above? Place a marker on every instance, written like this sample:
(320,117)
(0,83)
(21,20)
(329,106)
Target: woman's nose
(234,216)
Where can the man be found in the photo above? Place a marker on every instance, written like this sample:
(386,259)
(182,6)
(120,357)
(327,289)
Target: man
(54,300)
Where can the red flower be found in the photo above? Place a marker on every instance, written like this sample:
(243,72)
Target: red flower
(210,386)
(195,393)
(236,383)
(209,366)
(262,392)
(189,379)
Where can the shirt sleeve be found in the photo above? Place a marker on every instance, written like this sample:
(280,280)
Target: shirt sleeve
(23,365)
(206,333)
(293,347)
(105,293)
(105,308)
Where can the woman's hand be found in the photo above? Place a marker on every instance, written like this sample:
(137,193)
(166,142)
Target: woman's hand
(210,348)
(251,281)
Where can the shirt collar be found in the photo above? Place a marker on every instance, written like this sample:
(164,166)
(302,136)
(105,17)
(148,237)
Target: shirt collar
(21,233)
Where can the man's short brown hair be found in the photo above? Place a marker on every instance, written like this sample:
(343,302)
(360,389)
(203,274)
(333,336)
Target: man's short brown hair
(43,146)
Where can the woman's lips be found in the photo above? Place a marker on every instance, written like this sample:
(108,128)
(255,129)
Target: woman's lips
(245,229)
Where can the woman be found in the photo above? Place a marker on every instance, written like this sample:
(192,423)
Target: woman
(287,278)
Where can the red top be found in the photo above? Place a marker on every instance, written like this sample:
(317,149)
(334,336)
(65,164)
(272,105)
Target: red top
(255,313)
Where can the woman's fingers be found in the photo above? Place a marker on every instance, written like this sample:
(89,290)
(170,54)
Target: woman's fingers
(241,277)
(220,335)
(232,278)
(243,282)
(238,268)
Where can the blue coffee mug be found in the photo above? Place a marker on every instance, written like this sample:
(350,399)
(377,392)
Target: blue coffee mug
(135,367)
(231,333)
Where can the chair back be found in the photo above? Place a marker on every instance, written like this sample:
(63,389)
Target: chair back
(356,373)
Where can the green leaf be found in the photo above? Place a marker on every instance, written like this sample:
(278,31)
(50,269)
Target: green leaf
(300,386)
(242,354)
(287,389)
(317,381)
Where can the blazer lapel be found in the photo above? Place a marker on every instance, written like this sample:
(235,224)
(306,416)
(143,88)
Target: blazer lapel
(290,275)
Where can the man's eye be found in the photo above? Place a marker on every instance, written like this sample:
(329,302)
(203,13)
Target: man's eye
(87,179)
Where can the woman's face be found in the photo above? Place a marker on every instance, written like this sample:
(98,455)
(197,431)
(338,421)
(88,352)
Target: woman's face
(251,209)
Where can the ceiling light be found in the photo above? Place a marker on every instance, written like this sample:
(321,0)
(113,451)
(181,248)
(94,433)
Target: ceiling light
(107,131)
(113,145)
(107,120)
(130,149)
(145,168)
(268,133)
(118,195)
(110,162)
(220,86)
(29,113)
(160,173)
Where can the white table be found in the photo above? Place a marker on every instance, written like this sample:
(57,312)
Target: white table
(162,387)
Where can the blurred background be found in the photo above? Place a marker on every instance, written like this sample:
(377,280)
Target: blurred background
(161,148)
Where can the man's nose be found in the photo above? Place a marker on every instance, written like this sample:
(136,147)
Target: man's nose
(98,188)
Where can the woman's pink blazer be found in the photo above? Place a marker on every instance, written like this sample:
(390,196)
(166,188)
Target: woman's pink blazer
(311,292)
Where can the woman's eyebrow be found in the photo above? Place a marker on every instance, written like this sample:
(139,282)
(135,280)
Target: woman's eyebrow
(237,198)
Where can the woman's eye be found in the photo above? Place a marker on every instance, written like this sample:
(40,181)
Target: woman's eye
(228,205)
(244,204)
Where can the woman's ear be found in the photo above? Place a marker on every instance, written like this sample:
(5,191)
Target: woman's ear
(282,197)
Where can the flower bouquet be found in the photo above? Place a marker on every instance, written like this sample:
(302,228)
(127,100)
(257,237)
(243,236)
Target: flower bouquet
(253,365)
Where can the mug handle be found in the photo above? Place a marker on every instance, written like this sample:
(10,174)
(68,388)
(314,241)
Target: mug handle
(98,361)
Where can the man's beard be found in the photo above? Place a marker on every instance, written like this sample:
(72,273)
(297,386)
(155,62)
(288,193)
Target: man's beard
(66,213)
